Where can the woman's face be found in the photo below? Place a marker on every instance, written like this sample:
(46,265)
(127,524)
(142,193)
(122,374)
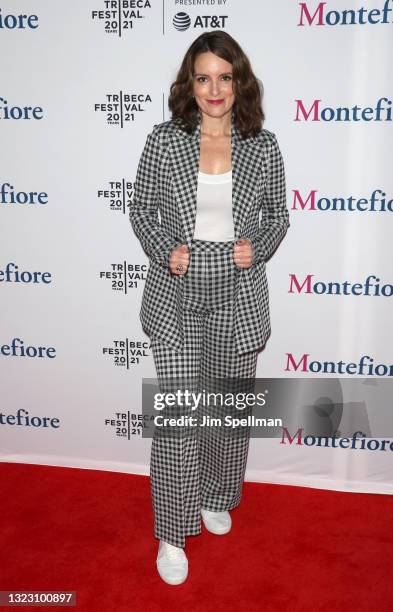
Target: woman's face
(213,82)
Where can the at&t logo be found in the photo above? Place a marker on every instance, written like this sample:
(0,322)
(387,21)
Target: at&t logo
(182,21)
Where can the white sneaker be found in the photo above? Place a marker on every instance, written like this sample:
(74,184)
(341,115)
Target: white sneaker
(172,563)
(217,522)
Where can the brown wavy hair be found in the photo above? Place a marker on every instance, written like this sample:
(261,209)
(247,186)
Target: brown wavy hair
(248,90)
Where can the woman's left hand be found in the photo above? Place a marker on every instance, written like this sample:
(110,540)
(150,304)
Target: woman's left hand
(243,253)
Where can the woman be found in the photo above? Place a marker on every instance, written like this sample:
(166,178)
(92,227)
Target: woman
(210,170)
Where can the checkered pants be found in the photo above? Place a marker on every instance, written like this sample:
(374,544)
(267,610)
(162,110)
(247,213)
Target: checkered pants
(189,470)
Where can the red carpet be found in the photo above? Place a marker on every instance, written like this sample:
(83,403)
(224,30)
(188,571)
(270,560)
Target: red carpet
(290,548)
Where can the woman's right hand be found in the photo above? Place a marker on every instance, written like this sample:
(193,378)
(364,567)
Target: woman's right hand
(180,256)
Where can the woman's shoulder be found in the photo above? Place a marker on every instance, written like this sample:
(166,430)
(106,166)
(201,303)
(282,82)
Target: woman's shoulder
(266,136)
(166,127)
(162,132)
(267,140)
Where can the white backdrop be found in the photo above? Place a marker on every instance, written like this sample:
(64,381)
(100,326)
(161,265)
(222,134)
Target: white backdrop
(78,96)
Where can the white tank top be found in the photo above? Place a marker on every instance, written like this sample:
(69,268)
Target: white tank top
(214,219)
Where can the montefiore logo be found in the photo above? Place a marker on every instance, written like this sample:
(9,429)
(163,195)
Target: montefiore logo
(364,367)
(370,287)
(18,22)
(315,111)
(17,348)
(321,15)
(182,21)
(12,274)
(24,420)
(376,202)
(19,112)
(8,196)
(357,441)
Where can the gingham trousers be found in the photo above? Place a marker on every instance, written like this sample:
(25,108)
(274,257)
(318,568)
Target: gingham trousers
(188,470)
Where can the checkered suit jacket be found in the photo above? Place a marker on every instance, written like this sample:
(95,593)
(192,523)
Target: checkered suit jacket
(166,181)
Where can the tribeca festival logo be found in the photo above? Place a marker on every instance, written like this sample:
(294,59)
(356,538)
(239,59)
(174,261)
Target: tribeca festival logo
(15,112)
(124,276)
(127,424)
(182,21)
(12,274)
(309,201)
(23,419)
(364,367)
(18,22)
(315,111)
(321,16)
(371,287)
(127,353)
(121,108)
(120,16)
(17,348)
(118,194)
(9,196)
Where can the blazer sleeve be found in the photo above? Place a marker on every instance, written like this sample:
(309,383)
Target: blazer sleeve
(275,217)
(144,205)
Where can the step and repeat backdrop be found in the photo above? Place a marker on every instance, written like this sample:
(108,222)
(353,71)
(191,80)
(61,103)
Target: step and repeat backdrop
(82,84)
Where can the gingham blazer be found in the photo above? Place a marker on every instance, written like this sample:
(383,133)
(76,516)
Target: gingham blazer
(166,181)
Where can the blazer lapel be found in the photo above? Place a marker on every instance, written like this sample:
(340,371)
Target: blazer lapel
(247,159)
(184,153)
